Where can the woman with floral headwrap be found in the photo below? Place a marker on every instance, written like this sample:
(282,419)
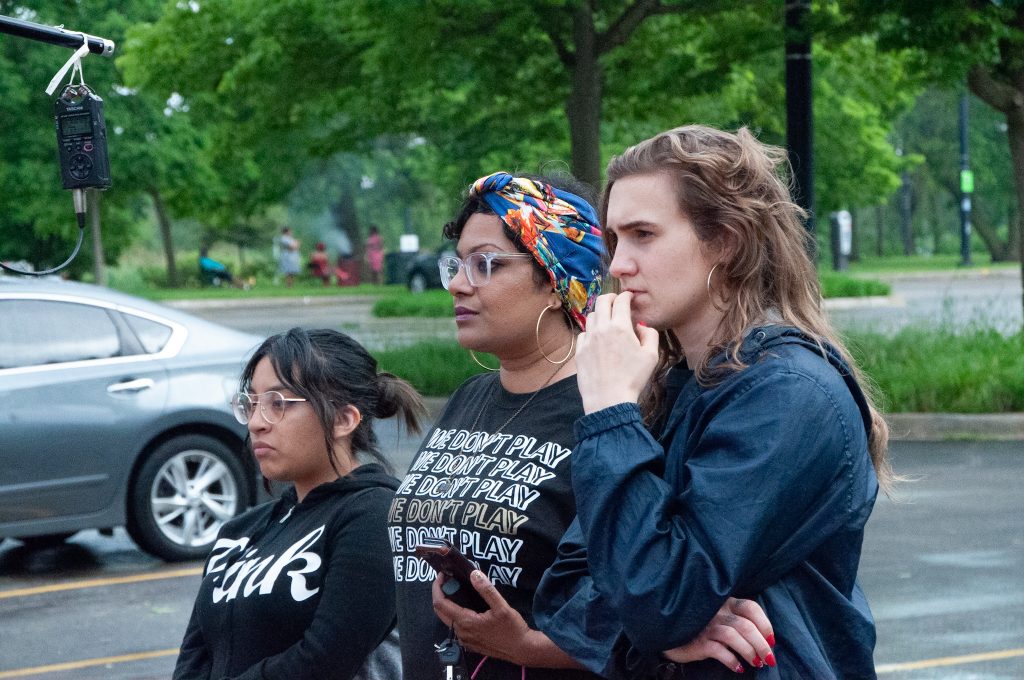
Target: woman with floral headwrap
(493,477)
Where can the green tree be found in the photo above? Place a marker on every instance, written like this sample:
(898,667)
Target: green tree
(155,152)
(489,88)
(931,130)
(979,41)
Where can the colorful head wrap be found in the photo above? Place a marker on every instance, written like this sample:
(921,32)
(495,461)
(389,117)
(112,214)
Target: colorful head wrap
(558,228)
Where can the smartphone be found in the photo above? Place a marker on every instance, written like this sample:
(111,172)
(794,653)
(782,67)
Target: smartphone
(445,558)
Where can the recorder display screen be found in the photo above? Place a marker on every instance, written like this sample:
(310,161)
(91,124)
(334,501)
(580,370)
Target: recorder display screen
(78,124)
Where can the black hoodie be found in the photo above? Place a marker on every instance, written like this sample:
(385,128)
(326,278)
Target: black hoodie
(297,590)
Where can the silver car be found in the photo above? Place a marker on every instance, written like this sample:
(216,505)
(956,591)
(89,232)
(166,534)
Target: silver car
(114,411)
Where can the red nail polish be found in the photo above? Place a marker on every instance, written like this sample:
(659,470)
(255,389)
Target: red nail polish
(771,640)
(739,668)
(757,663)
(770,660)
(641,323)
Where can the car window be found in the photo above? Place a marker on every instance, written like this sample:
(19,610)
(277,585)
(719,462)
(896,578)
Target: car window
(152,334)
(37,332)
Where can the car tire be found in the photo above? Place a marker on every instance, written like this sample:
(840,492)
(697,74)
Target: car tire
(45,540)
(417,282)
(168,515)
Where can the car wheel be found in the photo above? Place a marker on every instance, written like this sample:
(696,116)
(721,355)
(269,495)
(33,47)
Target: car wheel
(417,282)
(184,493)
(45,540)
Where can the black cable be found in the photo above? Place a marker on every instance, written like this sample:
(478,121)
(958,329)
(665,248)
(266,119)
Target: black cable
(78,246)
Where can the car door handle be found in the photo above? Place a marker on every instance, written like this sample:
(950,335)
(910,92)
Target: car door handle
(131,386)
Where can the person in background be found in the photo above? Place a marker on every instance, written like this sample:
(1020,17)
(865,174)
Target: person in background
(302,587)
(374,248)
(213,271)
(493,476)
(319,265)
(728,449)
(288,256)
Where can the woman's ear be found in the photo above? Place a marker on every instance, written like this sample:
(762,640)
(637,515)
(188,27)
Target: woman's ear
(346,420)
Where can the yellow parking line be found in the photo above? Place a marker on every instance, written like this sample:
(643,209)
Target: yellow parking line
(949,661)
(86,663)
(98,582)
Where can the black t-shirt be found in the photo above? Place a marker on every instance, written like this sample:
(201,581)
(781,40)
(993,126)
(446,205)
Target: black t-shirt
(494,480)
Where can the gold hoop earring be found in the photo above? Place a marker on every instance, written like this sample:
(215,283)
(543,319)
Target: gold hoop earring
(480,363)
(572,345)
(711,296)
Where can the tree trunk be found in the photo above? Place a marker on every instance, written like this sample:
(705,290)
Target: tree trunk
(164,223)
(980,222)
(1015,131)
(907,215)
(1010,100)
(99,266)
(879,230)
(935,220)
(346,217)
(583,108)
(1015,247)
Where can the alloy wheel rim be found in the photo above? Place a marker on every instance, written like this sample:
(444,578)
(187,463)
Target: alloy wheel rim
(192,496)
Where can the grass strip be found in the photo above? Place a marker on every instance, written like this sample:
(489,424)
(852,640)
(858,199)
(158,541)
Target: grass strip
(937,371)
(915,371)
(435,368)
(438,303)
(834,285)
(431,303)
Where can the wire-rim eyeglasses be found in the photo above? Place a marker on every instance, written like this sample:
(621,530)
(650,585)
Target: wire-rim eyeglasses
(272,405)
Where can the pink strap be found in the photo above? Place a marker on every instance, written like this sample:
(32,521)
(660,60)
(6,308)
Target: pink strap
(480,665)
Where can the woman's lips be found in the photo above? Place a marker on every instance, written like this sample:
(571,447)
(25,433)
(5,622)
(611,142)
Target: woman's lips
(463,313)
(260,449)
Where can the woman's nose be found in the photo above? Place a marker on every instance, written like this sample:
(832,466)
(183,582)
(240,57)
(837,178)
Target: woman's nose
(460,283)
(622,264)
(257,423)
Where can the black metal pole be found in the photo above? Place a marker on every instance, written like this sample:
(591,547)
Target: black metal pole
(966,184)
(800,106)
(55,36)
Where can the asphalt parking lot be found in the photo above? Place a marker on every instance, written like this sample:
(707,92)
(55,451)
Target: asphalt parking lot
(943,569)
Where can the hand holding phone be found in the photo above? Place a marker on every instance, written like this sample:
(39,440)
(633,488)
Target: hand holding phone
(440,554)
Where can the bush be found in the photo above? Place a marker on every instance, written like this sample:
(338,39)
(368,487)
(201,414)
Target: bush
(936,370)
(835,285)
(917,370)
(434,368)
(431,303)
(438,303)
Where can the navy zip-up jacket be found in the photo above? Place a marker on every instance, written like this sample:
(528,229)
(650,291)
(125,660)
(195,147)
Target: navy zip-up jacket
(756,487)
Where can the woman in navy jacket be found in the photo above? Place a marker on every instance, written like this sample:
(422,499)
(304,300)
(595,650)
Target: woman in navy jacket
(727,448)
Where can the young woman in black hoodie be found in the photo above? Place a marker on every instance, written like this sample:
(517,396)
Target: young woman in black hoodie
(302,587)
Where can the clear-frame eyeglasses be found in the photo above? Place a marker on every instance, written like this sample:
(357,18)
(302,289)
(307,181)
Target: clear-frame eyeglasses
(478,266)
(272,406)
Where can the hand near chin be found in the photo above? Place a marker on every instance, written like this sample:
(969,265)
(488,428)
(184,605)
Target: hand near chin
(614,357)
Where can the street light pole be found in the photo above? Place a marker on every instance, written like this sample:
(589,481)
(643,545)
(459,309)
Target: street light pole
(966,185)
(800,109)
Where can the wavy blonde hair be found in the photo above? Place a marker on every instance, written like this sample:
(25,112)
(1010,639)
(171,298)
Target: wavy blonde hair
(731,188)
